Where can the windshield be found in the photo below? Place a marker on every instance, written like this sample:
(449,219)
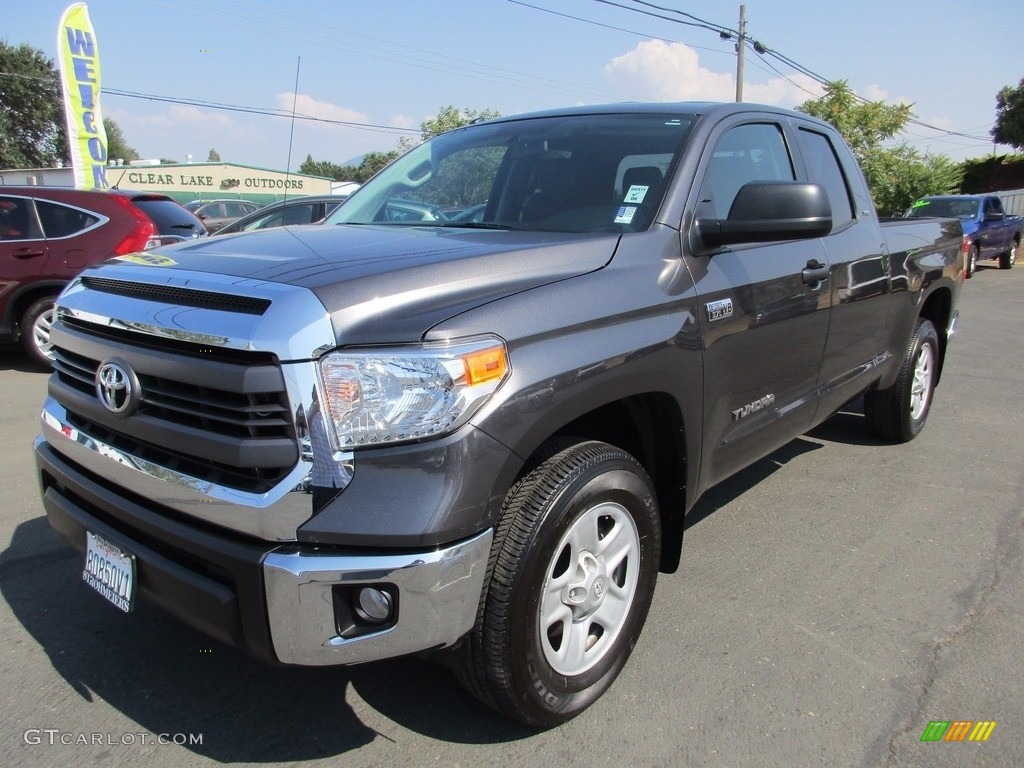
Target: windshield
(943,207)
(582,173)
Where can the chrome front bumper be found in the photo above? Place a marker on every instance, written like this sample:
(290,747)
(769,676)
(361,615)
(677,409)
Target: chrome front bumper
(438,594)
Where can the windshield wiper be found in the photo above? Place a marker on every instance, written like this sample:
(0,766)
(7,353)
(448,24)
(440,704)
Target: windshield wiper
(473,225)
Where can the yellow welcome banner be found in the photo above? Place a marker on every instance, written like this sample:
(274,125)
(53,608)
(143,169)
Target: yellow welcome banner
(79,58)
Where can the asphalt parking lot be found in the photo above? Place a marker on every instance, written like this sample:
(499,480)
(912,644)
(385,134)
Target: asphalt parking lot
(834,600)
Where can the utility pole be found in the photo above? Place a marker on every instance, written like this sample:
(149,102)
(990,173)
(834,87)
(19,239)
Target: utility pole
(740,47)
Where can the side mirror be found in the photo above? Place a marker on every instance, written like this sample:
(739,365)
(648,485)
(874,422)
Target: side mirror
(770,211)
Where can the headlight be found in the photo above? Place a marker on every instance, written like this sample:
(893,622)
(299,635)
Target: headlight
(390,395)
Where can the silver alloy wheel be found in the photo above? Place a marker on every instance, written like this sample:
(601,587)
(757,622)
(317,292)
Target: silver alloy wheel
(1013,253)
(41,333)
(921,388)
(588,589)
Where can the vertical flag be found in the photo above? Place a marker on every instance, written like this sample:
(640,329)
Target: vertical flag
(79,57)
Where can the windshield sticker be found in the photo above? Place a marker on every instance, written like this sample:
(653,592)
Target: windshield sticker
(920,204)
(625,214)
(636,193)
(147,259)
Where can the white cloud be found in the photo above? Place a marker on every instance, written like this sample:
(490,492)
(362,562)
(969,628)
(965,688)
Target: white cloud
(663,71)
(668,72)
(878,93)
(322,110)
(403,121)
(784,92)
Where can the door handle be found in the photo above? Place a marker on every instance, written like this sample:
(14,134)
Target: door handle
(814,273)
(27,253)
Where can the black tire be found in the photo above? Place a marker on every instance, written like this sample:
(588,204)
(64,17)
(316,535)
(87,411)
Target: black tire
(569,583)
(899,412)
(1008,259)
(35,332)
(972,261)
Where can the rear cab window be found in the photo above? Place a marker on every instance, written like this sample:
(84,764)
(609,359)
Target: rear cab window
(824,168)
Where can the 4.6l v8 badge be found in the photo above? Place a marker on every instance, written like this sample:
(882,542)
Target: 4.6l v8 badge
(719,310)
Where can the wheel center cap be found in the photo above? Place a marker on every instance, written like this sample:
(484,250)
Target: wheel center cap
(586,592)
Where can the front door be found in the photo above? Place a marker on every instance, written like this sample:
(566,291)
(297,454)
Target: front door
(763,313)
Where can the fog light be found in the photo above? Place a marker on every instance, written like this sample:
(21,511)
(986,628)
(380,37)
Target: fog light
(374,605)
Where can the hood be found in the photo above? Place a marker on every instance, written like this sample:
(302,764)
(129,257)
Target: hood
(388,284)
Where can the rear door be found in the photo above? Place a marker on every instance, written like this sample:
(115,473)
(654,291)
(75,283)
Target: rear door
(859,286)
(763,310)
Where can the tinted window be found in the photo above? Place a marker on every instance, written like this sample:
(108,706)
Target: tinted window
(15,219)
(752,152)
(62,221)
(824,168)
(579,173)
(993,207)
(945,207)
(169,217)
(237,210)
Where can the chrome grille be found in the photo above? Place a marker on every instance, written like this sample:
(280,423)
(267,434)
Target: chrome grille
(225,419)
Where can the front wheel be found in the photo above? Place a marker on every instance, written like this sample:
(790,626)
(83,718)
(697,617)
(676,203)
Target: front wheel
(1008,259)
(899,412)
(570,580)
(35,332)
(972,261)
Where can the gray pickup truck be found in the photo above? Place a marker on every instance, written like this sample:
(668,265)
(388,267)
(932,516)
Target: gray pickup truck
(465,417)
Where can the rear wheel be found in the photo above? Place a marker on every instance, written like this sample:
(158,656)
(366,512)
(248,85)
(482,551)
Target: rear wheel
(35,332)
(899,412)
(1008,259)
(570,579)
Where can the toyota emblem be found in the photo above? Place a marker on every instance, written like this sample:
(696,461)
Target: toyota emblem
(116,387)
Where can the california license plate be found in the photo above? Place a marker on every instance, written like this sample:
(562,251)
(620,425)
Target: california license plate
(110,571)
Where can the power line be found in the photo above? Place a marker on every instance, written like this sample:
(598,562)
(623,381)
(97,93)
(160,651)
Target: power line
(424,59)
(255,111)
(607,26)
(762,50)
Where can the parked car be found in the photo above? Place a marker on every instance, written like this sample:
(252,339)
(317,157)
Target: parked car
(288,212)
(49,234)
(400,210)
(216,214)
(993,234)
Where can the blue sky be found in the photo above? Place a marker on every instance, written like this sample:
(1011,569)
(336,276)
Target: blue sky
(389,64)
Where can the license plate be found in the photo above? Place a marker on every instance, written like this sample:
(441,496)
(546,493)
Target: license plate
(110,571)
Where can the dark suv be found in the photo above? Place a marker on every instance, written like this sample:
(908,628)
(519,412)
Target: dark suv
(49,234)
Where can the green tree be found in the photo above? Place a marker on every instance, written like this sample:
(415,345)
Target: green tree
(321,168)
(370,163)
(896,176)
(1009,127)
(32,131)
(117,147)
(448,118)
(213,157)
